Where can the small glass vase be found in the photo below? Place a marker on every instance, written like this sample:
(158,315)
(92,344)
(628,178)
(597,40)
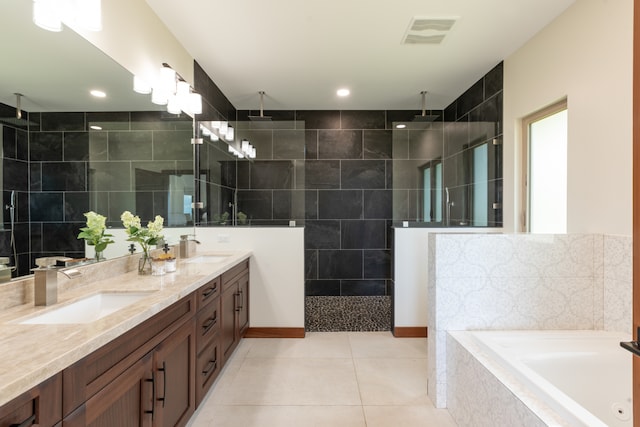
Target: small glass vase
(144,265)
(99,256)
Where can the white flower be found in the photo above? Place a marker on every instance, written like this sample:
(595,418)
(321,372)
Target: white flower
(155,227)
(129,220)
(95,222)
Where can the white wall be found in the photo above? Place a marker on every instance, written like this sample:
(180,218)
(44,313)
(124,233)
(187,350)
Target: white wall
(586,56)
(277,270)
(137,39)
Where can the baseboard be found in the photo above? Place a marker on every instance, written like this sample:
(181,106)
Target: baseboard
(410,332)
(274,333)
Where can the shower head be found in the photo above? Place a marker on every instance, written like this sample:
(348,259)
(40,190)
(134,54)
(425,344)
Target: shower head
(261,117)
(18,119)
(424,117)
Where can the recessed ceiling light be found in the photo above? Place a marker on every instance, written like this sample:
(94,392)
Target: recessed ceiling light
(343,92)
(98,93)
(401,126)
(95,127)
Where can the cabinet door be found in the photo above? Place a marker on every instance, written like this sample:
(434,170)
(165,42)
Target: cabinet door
(228,324)
(41,406)
(125,402)
(243,301)
(174,366)
(208,366)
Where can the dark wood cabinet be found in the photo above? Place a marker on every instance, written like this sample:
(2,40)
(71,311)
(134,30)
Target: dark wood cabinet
(41,406)
(127,401)
(235,307)
(148,371)
(153,375)
(174,367)
(208,320)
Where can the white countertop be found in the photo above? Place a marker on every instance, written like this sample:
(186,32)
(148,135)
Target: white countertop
(31,353)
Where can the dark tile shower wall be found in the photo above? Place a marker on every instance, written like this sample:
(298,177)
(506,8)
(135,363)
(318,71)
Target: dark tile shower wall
(73,169)
(349,203)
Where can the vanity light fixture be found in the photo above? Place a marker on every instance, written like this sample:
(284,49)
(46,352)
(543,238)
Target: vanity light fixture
(50,14)
(171,90)
(140,85)
(223,128)
(173,105)
(159,97)
(195,103)
(229,136)
(214,130)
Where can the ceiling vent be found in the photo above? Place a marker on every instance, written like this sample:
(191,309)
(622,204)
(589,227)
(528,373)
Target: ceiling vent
(428,30)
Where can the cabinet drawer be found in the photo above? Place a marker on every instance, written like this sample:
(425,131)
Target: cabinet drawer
(208,365)
(208,293)
(229,276)
(207,323)
(42,405)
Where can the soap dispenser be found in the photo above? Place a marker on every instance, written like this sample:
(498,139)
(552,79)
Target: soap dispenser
(187,247)
(170,260)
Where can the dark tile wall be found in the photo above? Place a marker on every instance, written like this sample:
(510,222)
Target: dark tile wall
(349,203)
(61,168)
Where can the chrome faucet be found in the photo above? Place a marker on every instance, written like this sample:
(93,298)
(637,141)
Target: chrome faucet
(45,283)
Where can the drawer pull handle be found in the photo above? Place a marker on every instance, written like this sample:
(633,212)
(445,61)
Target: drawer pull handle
(164,383)
(209,291)
(153,395)
(209,324)
(211,366)
(235,297)
(28,422)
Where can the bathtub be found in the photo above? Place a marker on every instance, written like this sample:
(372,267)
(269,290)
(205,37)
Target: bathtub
(585,377)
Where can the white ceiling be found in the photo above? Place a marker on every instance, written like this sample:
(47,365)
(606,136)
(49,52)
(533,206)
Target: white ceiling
(300,52)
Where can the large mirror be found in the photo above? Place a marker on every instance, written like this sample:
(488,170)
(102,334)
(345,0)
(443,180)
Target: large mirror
(66,152)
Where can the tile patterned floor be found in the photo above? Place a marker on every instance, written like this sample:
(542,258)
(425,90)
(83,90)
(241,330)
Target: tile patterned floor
(337,379)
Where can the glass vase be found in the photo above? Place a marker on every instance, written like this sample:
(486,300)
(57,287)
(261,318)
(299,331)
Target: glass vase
(99,256)
(144,265)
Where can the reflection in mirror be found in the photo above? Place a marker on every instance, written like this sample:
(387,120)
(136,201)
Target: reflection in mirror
(70,153)
(265,191)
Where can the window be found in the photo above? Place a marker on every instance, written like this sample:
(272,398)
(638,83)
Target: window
(546,170)
(480,185)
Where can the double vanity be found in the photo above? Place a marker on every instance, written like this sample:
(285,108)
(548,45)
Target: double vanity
(123,349)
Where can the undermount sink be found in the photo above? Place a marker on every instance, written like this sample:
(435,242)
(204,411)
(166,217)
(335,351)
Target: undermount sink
(88,309)
(208,259)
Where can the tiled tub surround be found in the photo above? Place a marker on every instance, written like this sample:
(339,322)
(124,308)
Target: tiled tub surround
(523,281)
(43,350)
(551,378)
